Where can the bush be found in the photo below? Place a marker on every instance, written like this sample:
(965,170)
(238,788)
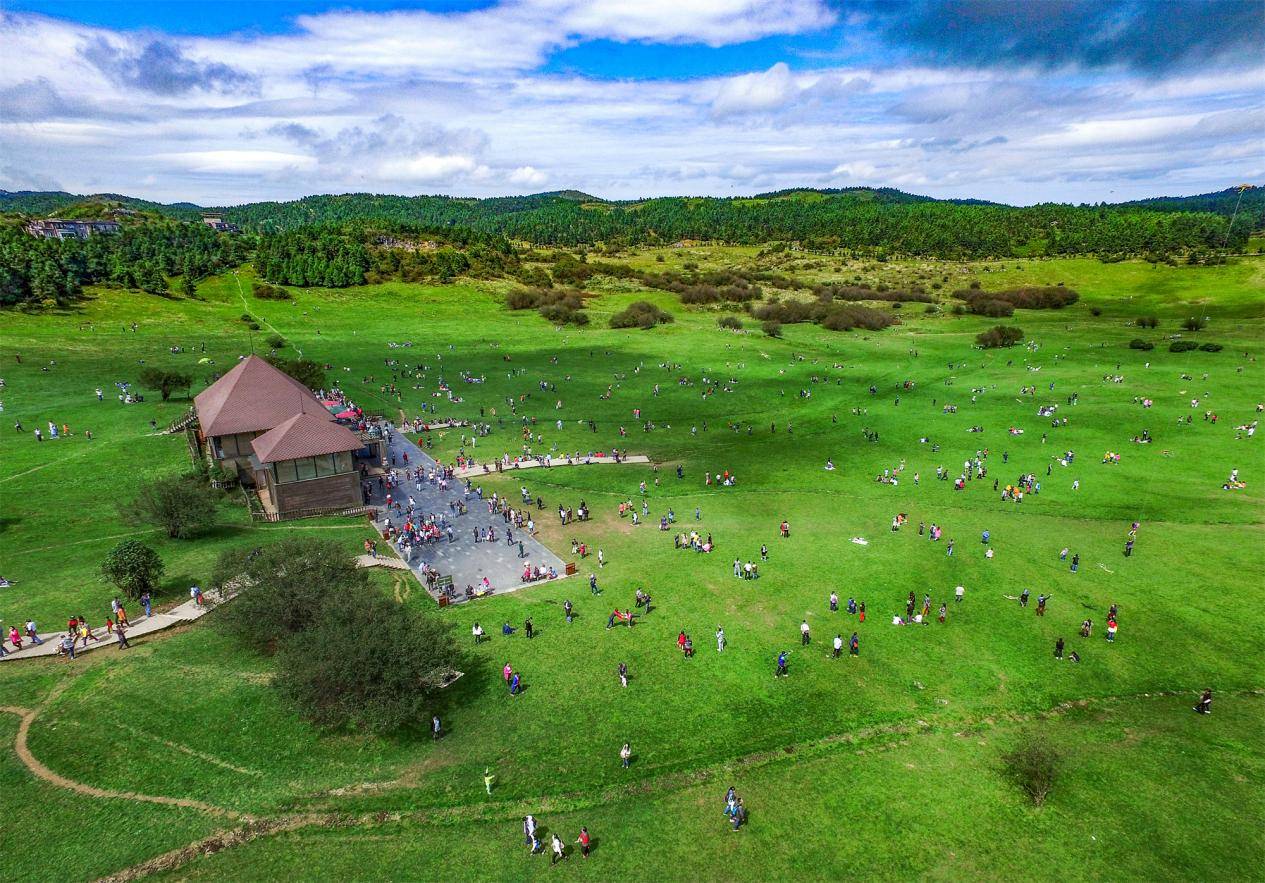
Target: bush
(640,314)
(995,309)
(181,505)
(1048,297)
(286,583)
(999,336)
(1095,311)
(1182,346)
(772,328)
(733,323)
(1195,323)
(166,382)
(366,664)
(561,314)
(264,291)
(133,567)
(1147,322)
(1033,765)
(1211,347)
(253,326)
(1138,344)
(276,341)
(931,309)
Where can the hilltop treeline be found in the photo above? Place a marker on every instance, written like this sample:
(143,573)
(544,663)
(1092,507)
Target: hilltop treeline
(339,255)
(844,221)
(36,271)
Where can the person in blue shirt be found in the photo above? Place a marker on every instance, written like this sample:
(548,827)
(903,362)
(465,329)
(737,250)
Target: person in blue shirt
(781,665)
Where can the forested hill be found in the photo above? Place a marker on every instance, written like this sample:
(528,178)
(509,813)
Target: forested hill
(879,221)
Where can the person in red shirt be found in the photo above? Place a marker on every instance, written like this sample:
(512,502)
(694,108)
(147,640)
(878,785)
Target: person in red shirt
(584,841)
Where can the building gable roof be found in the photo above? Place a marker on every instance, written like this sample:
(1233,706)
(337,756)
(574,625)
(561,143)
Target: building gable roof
(251,397)
(304,435)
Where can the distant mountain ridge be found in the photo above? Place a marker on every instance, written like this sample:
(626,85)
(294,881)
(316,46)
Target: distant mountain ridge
(44,201)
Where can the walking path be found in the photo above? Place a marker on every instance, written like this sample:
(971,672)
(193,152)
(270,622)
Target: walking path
(491,468)
(139,627)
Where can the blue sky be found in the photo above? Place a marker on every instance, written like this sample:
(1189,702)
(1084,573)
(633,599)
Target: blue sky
(1010,100)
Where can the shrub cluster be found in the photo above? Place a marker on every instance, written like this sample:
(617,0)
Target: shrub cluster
(733,323)
(1147,322)
(1195,323)
(561,306)
(1139,344)
(1047,297)
(264,291)
(640,314)
(1182,346)
(999,336)
(861,291)
(835,317)
(347,656)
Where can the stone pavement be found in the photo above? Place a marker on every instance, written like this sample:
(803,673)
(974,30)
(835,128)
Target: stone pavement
(466,561)
(139,628)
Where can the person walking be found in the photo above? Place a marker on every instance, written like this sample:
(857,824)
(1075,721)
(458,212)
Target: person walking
(1041,599)
(1204,705)
(781,665)
(147,603)
(625,755)
(834,603)
(1111,630)
(559,850)
(854,645)
(1058,649)
(838,646)
(623,674)
(31,633)
(436,729)
(720,640)
(958,593)
(488,779)
(803,633)
(584,841)
(1076,562)
(120,634)
(528,629)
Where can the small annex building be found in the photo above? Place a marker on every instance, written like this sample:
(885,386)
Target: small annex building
(268,429)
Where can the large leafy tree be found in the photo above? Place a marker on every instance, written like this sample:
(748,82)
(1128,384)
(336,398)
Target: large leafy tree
(183,506)
(134,567)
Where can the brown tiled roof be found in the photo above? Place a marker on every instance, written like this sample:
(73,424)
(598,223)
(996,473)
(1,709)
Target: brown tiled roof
(304,435)
(253,396)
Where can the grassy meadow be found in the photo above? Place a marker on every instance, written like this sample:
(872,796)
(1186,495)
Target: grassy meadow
(885,765)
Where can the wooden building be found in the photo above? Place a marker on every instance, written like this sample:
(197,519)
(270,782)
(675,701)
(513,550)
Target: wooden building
(307,462)
(265,428)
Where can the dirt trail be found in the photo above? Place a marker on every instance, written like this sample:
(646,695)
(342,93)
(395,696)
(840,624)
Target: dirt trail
(32,763)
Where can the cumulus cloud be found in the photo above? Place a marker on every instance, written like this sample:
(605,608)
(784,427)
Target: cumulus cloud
(527,176)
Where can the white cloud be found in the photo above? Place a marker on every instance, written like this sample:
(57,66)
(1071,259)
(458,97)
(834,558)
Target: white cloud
(237,162)
(425,168)
(527,176)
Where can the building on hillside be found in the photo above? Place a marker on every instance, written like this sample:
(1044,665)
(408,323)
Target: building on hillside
(219,225)
(263,427)
(56,228)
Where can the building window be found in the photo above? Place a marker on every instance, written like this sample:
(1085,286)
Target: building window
(344,462)
(306,468)
(324,465)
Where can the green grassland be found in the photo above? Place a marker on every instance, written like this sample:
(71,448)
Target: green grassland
(886,764)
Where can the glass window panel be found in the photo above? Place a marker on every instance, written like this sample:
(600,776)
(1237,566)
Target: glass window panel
(306,467)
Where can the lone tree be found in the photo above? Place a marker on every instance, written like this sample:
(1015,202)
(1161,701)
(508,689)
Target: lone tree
(367,664)
(134,567)
(166,382)
(181,505)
